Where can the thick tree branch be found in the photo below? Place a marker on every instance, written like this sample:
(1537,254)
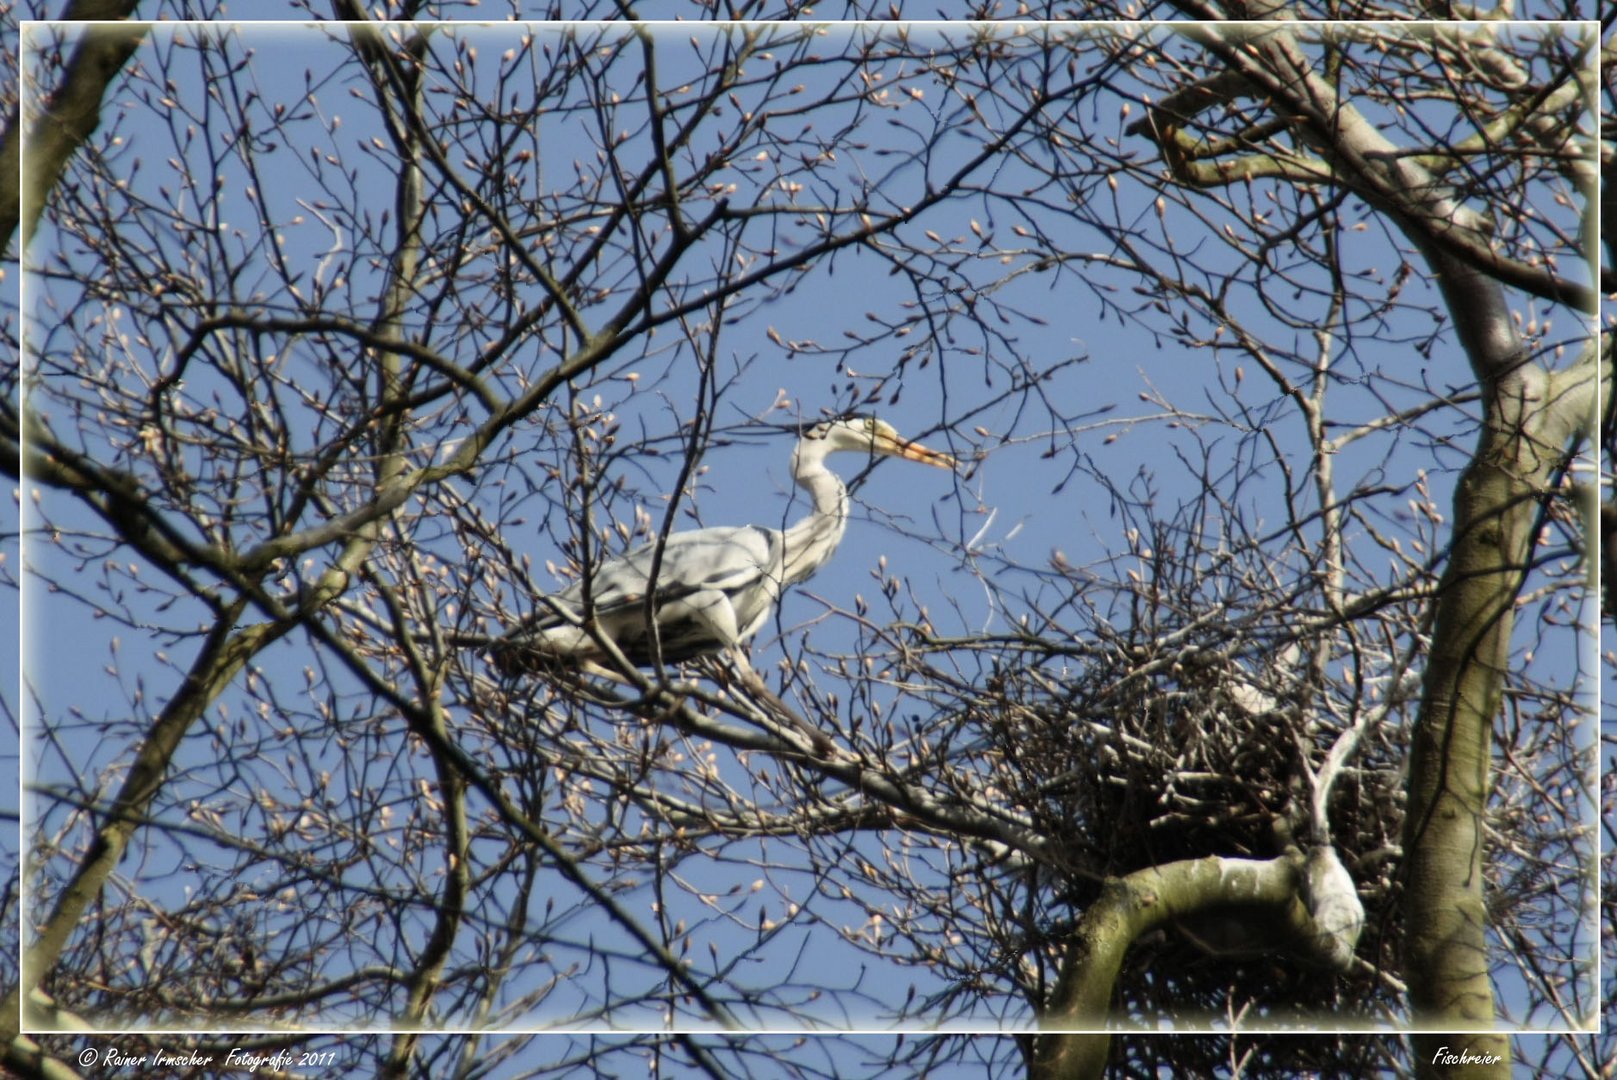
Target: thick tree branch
(1355,154)
(68,117)
(1269,893)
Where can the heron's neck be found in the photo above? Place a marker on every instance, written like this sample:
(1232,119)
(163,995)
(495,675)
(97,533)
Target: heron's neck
(811,541)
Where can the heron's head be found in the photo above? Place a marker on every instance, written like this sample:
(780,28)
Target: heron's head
(868,435)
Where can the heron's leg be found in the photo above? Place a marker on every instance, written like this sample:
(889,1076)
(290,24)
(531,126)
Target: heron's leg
(755,685)
(708,617)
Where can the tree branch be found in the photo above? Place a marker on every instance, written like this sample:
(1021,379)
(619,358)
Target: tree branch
(1076,1016)
(68,117)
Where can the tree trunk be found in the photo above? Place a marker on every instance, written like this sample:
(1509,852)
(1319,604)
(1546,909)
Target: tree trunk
(1529,415)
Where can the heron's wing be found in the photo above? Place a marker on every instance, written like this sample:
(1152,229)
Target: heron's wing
(741,562)
(714,588)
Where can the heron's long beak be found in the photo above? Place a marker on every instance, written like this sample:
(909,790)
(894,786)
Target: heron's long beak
(914,451)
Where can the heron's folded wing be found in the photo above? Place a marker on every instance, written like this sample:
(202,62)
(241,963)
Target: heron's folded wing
(727,559)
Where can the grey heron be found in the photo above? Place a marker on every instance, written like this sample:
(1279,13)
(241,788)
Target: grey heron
(715,588)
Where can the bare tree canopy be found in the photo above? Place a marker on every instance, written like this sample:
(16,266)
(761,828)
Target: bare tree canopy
(1233,672)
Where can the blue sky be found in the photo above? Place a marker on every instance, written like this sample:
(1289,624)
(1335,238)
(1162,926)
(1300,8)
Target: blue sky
(781,360)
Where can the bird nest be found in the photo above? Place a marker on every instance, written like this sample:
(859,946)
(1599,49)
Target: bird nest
(1138,756)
